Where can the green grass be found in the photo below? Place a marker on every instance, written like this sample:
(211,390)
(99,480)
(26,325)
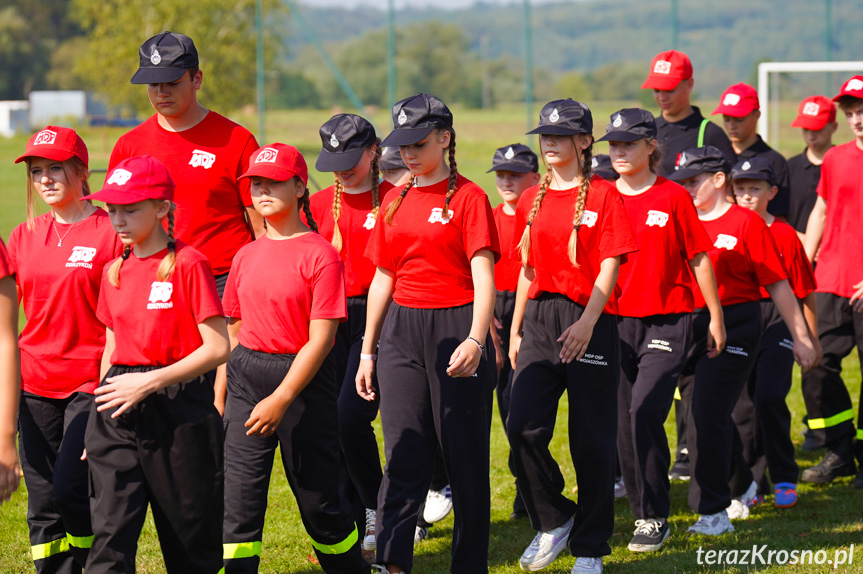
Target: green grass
(827,517)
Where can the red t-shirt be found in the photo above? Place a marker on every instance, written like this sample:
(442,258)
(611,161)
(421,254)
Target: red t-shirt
(63,340)
(605,232)
(657,280)
(278,286)
(744,256)
(204,161)
(156,322)
(429,255)
(506,270)
(5,266)
(840,261)
(793,256)
(355,223)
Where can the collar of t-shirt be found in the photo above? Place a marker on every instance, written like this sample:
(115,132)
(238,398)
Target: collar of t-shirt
(692,121)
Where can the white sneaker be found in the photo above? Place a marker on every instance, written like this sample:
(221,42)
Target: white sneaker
(369,540)
(438,505)
(422,532)
(545,547)
(586,564)
(739,507)
(619,489)
(712,524)
(381,569)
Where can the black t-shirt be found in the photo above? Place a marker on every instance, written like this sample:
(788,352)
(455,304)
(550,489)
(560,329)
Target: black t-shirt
(803,176)
(676,137)
(778,205)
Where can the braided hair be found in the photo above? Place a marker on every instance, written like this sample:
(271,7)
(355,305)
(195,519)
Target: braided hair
(167,265)
(375,173)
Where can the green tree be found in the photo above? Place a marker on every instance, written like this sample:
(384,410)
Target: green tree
(223,31)
(574,85)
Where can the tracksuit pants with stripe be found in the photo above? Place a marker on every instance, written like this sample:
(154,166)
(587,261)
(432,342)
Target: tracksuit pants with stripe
(718,469)
(761,415)
(166,451)
(423,407)
(828,404)
(653,351)
(308,437)
(51,440)
(591,385)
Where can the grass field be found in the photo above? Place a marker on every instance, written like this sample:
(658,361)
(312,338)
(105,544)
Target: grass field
(827,517)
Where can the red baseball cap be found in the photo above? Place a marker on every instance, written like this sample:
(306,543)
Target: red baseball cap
(279,162)
(814,113)
(667,70)
(738,101)
(853,87)
(58,144)
(136,179)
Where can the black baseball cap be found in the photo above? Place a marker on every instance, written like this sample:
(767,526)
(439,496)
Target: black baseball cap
(414,118)
(165,58)
(564,118)
(699,160)
(754,168)
(391,158)
(344,138)
(629,125)
(600,164)
(515,157)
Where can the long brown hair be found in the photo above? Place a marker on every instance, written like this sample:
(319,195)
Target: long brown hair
(73,166)
(166,266)
(338,243)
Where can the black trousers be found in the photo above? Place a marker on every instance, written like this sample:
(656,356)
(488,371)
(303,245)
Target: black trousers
(308,436)
(761,415)
(166,451)
(828,404)
(423,407)
(51,441)
(718,469)
(504,307)
(591,385)
(653,351)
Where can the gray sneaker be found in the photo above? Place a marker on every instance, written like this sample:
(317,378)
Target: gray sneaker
(712,524)
(545,547)
(587,564)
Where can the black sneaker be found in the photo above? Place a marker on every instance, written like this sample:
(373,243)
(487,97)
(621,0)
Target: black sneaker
(835,463)
(650,535)
(810,443)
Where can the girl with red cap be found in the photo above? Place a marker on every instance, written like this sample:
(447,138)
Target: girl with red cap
(154,435)
(285,298)
(10,468)
(57,260)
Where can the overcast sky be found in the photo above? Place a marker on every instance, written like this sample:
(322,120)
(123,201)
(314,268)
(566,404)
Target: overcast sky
(415,3)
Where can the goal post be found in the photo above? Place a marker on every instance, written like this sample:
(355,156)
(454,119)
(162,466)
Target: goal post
(769,105)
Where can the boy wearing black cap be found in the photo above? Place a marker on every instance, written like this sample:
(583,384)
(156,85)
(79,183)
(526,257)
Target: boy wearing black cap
(515,168)
(834,227)
(205,153)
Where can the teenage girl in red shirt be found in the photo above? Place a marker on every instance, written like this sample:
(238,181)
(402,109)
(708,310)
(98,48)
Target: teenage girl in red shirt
(57,259)
(573,232)
(655,316)
(744,259)
(285,298)
(434,249)
(154,436)
(10,390)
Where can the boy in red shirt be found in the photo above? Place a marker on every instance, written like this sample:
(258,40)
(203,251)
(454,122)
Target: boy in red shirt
(834,227)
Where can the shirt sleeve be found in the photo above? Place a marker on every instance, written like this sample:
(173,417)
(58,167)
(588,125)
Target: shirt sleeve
(800,274)
(5,265)
(230,299)
(243,185)
(328,292)
(479,230)
(763,254)
(617,237)
(522,209)
(203,295)
(694,237)
(377,249)
(103,307)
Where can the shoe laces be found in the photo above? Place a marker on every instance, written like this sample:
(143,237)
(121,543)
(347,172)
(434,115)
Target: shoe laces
(371,516)
(648,527)
(704,521)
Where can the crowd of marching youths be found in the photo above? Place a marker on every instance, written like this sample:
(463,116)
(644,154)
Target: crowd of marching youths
(216,310)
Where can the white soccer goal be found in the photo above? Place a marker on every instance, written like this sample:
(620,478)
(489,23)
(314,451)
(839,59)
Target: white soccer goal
(769,107)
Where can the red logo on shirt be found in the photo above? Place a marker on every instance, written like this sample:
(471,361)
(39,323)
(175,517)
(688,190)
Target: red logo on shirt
(202,159)
(160,295)
(437,216)
(658,218)
(45,137)
(725,241)
(81,257)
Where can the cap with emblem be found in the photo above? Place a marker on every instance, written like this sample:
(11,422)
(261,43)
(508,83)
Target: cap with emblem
(853,87)
(391,158)
(517,158)
(414,118)
(753,168)
(629,125)
(56,143)
(738,101)
(164,58)
(697,160)
(814,113)
(667,70)
(279,162)
(564,118)
(600,164)
(135,179)
(344,138)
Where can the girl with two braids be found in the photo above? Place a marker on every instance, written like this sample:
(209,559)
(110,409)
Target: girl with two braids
(154,436)
(574,232)
(284,299)
(57,260)
(430,305)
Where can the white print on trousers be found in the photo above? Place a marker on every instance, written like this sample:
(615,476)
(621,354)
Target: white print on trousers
(160,295)
(736,351)
(660,345)
(202,159)
(81,257)
(591,359)
(787,343)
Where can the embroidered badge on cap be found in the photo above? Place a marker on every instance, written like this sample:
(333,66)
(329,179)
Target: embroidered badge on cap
(617,121)
(119,177)
(811,109)
(155,57)
(854,84)
(267,155)
(402,118)
(731,100)
(334,141)
(681,160)
(554,116)
(509,154)
(662,67)
(746,165)
(45,137)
